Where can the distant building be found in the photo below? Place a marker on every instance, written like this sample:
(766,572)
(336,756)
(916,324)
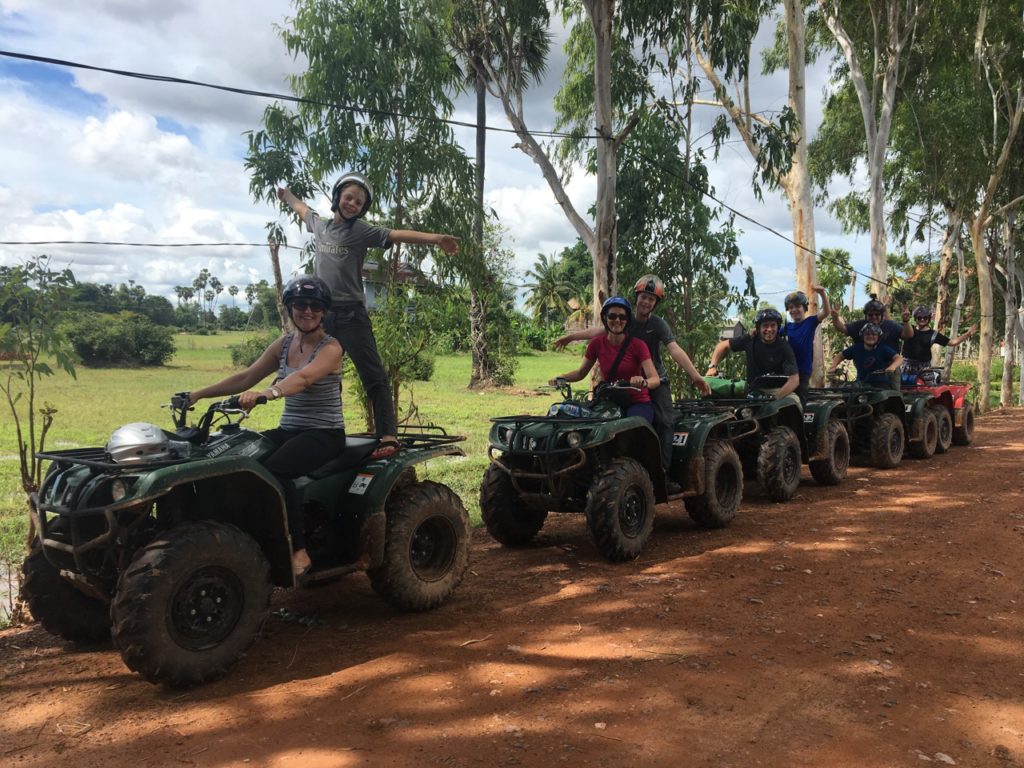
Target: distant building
(733,331)
(373,282)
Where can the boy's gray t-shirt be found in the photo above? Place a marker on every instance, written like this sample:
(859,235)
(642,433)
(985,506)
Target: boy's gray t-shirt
(654,332)
(340,252)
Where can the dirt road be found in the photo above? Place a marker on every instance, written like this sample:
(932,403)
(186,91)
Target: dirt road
(879,623)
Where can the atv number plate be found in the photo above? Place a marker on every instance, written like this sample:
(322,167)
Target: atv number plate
(360,484)
(680,438)
(808,418)
(909,406)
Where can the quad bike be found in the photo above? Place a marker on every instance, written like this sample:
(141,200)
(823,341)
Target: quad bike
(873,417)
(774,450)
(586,456)
(954,413)
(170,542)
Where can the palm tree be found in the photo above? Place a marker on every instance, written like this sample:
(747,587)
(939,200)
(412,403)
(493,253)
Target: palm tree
(549,291)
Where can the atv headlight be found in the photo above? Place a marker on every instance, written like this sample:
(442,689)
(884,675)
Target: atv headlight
(862,398)
(746,413)
(503,435)
(118,489)
(574,439)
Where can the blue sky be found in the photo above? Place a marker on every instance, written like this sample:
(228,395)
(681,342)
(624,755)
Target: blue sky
(93,156)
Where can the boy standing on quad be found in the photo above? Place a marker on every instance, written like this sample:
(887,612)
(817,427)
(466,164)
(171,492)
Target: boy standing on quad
(341,245)
(766,354)
(875,362)
(917,350)
(654,332)
(800,332)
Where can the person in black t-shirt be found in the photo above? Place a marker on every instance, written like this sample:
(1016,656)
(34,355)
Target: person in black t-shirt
(767,354)
(917,350)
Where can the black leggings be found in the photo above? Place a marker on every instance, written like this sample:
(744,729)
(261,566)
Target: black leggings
(298,453)
(350,324)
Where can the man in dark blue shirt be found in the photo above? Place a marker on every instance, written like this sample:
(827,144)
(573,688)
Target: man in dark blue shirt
(875,362)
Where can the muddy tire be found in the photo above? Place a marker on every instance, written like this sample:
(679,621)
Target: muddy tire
(964,434)
(944,428)
(832,469)
(778,463)
(62,609)
(887,441)
(620,509)
(426,551)
(508,520)
(723,487)
(925,447)
(190,603)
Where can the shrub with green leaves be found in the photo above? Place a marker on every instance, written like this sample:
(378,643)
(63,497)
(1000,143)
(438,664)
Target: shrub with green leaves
(122,340)
(248,352)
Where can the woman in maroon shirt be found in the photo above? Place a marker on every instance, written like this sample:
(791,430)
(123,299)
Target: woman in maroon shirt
(634,364)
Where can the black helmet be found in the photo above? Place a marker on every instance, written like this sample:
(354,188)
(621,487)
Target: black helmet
(615,301)
(922,311)
(308,287)
(871,328)
(767,314)
(352,178)
(874,306)
(650,284)
(796,297)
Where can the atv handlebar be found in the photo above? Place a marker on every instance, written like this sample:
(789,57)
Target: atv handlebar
(181,404)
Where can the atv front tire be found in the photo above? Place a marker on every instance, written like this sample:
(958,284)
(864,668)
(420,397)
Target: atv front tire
(509,521)
(620,509)
(723,487)
(190,603)
(426,551)
(62,609)
(887,441)
(832,469)
(944,428)
(925,447)
(964,434)
(778,463)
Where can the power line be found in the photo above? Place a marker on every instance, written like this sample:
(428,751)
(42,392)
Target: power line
(143,245)
(282,96)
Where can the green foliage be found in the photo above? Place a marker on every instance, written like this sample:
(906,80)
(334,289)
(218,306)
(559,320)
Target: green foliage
(31,297)
(550,292)
(249,350)
(535,336)
(125,339)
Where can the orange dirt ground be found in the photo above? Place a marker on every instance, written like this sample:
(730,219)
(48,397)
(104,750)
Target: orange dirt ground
(878,623)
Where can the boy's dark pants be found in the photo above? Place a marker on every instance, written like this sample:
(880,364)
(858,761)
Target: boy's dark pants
(664,416)
(350,325)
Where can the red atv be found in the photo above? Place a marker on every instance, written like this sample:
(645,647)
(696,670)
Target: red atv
(953,411)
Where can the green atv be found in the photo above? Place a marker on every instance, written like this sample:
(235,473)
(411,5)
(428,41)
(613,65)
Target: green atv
(585,456)
(873,418)
(773,452)
(170,542)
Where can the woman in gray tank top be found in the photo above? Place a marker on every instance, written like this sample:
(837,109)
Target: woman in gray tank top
(308,365)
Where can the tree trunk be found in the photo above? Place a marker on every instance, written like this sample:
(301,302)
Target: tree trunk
(985,310)
(601,14)
(953,226)
(958,308)
(1009,310)
(282,313)
(481,373)
(480,370)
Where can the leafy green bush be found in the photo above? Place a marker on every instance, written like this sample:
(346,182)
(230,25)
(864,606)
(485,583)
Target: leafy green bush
(125,339)
(245,354)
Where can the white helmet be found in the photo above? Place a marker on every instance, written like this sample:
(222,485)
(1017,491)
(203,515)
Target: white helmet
(137,443)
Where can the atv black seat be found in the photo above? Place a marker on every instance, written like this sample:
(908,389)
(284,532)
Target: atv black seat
(356,451)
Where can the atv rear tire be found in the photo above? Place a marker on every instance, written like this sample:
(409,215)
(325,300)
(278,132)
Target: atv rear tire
(62,609)
(190,603)
(832,469)
(964,434)
(723,487)
(944,428)
(620,509)
(887,441)
(426,551)
(509,521)
(778,463)
(925,447)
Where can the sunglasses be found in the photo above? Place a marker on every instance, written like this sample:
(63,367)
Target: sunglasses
(616,316)
(313,306)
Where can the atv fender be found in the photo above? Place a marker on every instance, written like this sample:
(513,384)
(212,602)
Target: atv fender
(817,414)
(914,411)
(638,440)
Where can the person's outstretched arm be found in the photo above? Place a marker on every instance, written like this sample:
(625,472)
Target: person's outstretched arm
(300,208)
(683,360)
(720,351)
(825,309)
(582,334)
(447,243)
(963,336)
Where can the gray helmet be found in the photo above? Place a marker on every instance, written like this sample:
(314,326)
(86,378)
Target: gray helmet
(874,306)
(767,314)
(137,443)
(796,297)
(922,311)
(871,328)
(352,178)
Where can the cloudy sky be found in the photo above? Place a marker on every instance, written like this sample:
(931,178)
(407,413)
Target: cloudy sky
(94,156)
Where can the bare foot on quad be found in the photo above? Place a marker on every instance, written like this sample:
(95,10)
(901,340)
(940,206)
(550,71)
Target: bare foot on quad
(387,446)
(300,562)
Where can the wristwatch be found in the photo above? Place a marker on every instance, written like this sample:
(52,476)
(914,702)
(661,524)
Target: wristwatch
(275,393)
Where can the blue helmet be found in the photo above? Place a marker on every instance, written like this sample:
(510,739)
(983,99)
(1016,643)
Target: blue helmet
(616,301)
